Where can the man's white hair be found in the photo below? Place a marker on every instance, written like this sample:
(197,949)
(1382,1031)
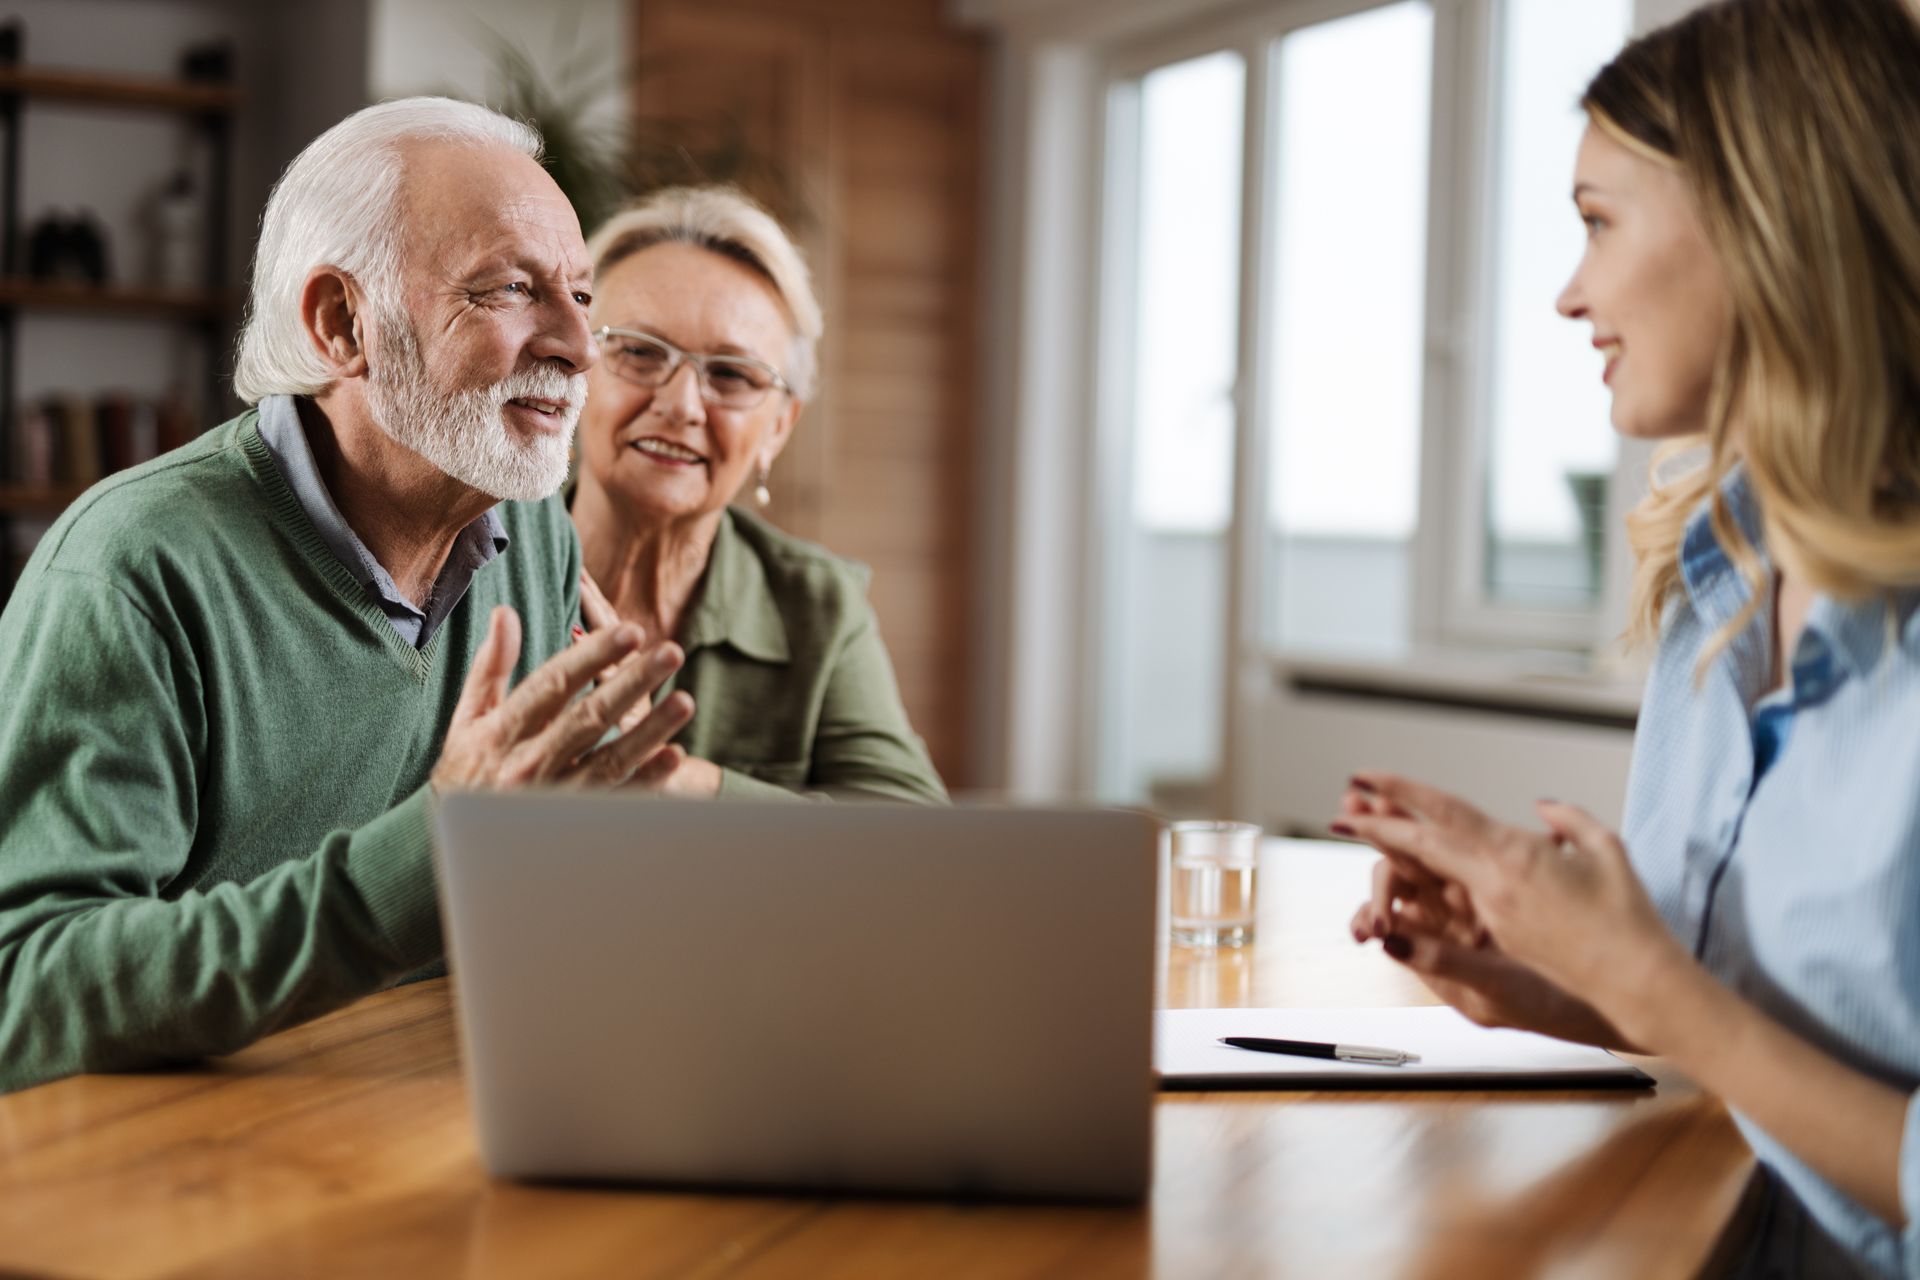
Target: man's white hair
(338,205)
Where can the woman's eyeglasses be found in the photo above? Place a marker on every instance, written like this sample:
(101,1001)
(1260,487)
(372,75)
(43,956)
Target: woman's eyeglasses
(728,382)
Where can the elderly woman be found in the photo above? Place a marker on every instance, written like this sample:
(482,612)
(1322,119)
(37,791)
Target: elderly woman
(707,326)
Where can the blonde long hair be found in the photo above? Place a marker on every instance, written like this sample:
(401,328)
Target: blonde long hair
(1796,124)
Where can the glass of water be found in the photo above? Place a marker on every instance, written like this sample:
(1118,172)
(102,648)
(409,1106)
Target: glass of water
(1212,867)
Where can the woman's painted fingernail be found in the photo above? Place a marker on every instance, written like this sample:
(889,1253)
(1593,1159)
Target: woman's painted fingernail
(1396,946)
(579,632)
(1361,785)
(1342,829)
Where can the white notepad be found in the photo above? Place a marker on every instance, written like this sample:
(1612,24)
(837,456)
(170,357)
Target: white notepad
(1188,1054)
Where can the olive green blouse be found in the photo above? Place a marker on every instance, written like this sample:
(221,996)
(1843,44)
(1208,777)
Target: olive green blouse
(792,689)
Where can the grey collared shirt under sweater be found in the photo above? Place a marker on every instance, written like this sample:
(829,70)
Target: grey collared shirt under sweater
(476,544)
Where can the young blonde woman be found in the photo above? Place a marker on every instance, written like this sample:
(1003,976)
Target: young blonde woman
(1750,180)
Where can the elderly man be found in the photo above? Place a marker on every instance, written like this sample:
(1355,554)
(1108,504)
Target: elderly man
(234,676)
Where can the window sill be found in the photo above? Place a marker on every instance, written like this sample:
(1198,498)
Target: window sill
(1530,683)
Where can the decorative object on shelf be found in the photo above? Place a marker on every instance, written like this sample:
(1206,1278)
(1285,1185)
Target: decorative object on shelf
(177,221)
(69,441)
(208,63)
(61,265)
(1589,490)
(68,247)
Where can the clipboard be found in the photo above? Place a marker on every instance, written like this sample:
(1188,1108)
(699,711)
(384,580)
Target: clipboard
(1454,1052)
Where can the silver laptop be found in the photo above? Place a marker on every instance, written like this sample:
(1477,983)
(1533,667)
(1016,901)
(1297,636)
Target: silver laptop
(808,996)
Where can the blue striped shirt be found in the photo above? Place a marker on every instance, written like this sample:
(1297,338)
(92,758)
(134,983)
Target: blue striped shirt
(1779,835)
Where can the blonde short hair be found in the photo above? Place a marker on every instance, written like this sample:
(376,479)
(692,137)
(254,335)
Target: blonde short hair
(723,220)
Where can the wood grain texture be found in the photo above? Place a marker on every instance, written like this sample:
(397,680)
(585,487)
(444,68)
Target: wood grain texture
(100,89)
(344,1148)
(872,110)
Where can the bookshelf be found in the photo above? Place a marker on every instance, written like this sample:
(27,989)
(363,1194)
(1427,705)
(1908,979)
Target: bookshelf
(91,88)
(25,500)
(206,108)
(59,295)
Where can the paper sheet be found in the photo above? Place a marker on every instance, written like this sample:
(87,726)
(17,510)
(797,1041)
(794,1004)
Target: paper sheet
(1453,1051)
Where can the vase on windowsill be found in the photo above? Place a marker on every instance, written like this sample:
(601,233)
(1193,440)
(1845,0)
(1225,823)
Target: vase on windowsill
(1589,490)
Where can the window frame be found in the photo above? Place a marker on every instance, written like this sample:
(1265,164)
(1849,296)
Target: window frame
(1462,613)
(1038,646)
(1449,546)
(1256,36)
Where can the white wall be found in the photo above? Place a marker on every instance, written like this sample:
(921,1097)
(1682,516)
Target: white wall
(1649,14)
(110,163)
(299,70)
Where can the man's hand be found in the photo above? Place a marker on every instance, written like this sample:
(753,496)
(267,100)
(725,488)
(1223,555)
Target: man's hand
(544,732)
(673,772)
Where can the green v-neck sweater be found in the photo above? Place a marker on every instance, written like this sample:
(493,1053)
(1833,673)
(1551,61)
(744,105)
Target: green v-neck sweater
(214,751)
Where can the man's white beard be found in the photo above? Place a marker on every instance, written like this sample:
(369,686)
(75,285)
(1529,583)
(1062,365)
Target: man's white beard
(465,432)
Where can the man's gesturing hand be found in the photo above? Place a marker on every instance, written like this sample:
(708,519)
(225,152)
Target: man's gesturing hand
(543,731)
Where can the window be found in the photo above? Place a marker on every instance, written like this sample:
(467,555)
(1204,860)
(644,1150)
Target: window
(1364,318)
(1348,282)
(1178,130)
(1550,448)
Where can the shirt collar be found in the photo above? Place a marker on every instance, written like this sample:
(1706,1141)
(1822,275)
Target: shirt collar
(737,605)
(286,439)
(1706,569)
(1839,638)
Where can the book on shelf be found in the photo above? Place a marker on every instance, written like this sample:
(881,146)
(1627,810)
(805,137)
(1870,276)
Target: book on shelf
(70,441)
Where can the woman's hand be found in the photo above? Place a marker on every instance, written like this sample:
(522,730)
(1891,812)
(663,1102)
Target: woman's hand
(1563,905)
(686,776)
(1408,896)
(1427,924)
(1485,984)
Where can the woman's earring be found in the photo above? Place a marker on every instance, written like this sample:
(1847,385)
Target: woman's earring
(761,494)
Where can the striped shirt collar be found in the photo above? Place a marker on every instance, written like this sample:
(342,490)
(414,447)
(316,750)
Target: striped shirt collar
(482,540)
(1839,639)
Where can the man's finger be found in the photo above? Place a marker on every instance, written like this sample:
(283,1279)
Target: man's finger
(486,683)
(638,711)
(654,773)
(574,731)
(615,762)
(530,708)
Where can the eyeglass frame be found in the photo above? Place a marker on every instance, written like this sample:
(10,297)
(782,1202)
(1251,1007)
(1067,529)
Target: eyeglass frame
(698,360)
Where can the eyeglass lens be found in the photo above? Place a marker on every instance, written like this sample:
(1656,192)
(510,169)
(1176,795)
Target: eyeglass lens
(724,379)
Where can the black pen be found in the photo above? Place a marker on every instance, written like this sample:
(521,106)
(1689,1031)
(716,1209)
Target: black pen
(1313,1049)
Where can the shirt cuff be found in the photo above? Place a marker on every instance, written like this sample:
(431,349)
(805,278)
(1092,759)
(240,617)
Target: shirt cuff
(390,860)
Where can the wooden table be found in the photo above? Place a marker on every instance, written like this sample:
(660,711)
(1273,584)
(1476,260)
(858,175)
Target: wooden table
(344,1148)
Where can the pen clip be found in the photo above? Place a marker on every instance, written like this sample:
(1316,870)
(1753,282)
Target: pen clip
(1375,1057)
